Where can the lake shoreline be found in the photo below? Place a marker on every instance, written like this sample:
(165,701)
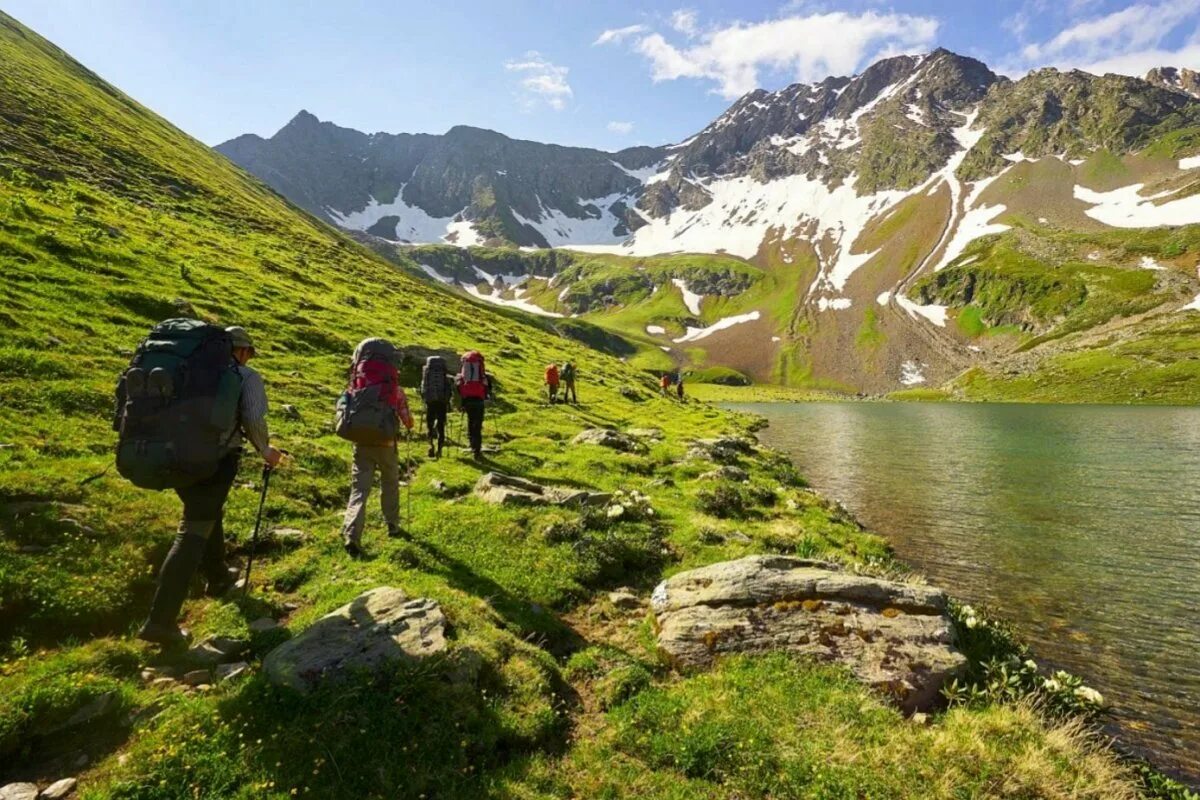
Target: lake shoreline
(1118,726)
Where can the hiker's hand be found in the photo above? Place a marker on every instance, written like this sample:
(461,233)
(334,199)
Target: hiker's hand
(273,456)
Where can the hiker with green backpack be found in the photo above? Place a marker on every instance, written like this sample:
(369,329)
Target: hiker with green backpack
(183,406)
(567,373)
(366,415)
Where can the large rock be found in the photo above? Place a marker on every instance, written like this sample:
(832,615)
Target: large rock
(19,791)
(368,633)
(496,487)
(894,637)
(616,440)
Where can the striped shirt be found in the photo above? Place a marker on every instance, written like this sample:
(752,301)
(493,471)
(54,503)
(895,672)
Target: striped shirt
(252,412)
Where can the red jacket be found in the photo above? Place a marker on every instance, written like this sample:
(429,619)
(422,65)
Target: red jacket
(374,372)
(552,374)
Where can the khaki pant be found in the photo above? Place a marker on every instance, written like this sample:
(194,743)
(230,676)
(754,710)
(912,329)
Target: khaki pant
(368,458)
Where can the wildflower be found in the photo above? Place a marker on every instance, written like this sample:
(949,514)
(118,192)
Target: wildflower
(1031,665)
(615,510)
(971,622)
(1051,685)
(968,611)
(1089,695)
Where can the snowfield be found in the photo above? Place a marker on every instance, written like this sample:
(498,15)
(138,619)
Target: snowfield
(695,334)
(690,298)
(415,225)
(1128,208)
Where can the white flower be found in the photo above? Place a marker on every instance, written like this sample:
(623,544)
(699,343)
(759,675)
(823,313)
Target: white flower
(649,512)
(968,611)
(972,622)
(1031,665)
(1089,695)
(615,511)
(1051,685)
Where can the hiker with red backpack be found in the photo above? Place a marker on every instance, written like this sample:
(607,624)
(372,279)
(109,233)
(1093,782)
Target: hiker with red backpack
(366,415)
(474,388)
(436,389)
(183,407)
(552,382)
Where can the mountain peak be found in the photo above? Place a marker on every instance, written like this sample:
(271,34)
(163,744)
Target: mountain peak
(1181,80)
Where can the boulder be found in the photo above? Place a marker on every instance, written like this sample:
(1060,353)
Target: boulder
(19,791)
(227,672)
(895,637)
(726,472)
(288,537)
(371,631)
(609,438)
(723,449)
(496,487)
(197,677)
(59,789)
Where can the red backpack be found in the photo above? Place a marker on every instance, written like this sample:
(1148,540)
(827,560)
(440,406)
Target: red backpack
(366,411)
(472,378)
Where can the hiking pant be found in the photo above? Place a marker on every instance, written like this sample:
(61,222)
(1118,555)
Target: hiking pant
(474,408)
(569,395)
(200,541)
(435,421)
(367,459)
(552,388)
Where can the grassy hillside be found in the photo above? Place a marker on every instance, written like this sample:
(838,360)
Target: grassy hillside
(111,220)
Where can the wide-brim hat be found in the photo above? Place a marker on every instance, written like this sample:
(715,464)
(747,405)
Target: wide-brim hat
(240,338)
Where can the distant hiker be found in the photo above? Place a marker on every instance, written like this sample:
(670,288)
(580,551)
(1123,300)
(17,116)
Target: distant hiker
(679,386)
(436,389)
(366,415)
(552,382)
(568,378)
(665,383)
(474,387)
(183,406)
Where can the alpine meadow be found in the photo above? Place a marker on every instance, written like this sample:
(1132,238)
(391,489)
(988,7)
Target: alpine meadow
(626,596)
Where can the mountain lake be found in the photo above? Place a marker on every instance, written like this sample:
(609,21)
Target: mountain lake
(1080,525)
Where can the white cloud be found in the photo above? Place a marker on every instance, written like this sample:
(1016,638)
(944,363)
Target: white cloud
(622,128)
(684,21)
(541,81)
(1130,41)
(808,47)
(615,35)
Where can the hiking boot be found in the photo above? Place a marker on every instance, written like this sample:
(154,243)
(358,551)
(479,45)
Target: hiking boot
(431,452)
(396,532)
(221,586)
(439,451)
(478,455)
(165,635)
(353,550)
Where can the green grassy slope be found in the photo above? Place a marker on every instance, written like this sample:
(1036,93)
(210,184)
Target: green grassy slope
(110,220)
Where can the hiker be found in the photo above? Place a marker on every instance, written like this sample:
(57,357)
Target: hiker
(679,386)
(665,384)
(474,387)
(552,382)
(435,391)
(189,389)
(367,414)
(568,378)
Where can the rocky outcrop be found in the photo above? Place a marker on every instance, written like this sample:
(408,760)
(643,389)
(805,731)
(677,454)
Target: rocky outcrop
(723,449)
(373,630)
(895,637)
(501,489)
(616,440)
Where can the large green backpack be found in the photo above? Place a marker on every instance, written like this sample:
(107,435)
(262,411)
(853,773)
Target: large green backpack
(177,405)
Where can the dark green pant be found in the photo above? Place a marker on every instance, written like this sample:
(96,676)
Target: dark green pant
(200,541)
(474,408)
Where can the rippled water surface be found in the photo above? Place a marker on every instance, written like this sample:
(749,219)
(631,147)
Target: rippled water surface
(1080,524)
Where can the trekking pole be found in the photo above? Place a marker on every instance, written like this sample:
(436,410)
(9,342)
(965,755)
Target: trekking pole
(262,501)
(411,474)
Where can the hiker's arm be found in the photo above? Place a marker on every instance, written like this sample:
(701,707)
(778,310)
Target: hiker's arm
(402,409)
(253,414)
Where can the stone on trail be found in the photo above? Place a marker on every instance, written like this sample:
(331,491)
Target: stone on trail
(217,650)
(895,637)
(501,489)
(197,677)
(609,438)
(19,791)
(227,672)
(59,789)
(368,633)
(288,537)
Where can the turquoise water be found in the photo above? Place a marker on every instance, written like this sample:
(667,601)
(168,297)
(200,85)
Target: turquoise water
(1079,524)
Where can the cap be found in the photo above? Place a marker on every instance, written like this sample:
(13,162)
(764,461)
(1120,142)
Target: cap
(240,337)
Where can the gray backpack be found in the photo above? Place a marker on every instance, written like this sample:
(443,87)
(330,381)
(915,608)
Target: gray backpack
(435,385)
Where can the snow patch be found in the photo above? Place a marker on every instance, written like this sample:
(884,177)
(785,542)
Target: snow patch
(415,224)
(883,298)
(515,302)
(1149,263)
(837,303)
(690,298)
(559,229)
(776,339)
(912,373)
(433,273)
(1127,208)
(656,329)
(934,313)
(1189,163)
(695,334)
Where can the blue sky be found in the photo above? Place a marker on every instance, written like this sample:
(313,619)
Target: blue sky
(598,74)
